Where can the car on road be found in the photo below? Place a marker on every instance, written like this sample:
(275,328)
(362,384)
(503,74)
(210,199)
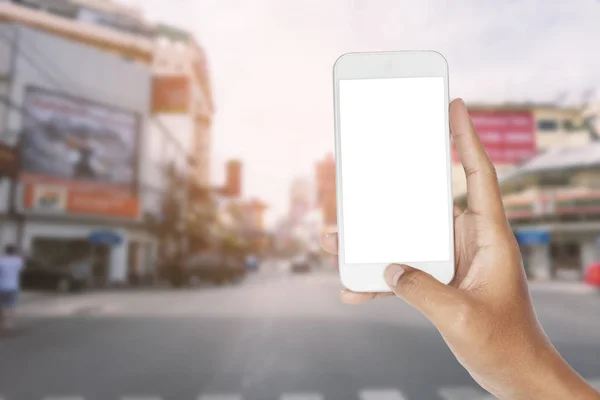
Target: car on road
(301,265)
(214,267)
(38,275)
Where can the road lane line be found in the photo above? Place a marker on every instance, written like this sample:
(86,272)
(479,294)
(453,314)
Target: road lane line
(464,393)
(64,398)
(301,396)
(220,397)
(141,398)
(386,394)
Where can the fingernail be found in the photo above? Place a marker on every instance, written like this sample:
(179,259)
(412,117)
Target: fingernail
(392,274)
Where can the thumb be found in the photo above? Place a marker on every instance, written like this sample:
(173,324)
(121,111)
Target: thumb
(422,291)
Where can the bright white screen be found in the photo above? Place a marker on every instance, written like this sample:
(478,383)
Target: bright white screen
(394,170)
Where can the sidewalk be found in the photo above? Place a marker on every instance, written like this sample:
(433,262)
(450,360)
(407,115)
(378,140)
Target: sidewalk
(561,287)
(28,296)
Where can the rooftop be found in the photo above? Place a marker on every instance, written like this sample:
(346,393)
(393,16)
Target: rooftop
(560,159)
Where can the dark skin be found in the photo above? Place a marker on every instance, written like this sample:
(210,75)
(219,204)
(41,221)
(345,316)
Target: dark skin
(485,315)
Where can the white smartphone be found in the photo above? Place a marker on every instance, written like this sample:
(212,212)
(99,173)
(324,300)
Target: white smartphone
(393,160)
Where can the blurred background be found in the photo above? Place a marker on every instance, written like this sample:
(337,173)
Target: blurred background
(167,170)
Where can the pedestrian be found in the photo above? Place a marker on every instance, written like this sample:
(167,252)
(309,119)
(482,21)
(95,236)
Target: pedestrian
(485,315)
(11,264)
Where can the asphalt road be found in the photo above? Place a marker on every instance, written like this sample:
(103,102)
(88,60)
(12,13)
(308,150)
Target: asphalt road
(274,336)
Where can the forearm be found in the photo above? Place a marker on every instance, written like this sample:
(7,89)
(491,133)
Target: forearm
(551,377)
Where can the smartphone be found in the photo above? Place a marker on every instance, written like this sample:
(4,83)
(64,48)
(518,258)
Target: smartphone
(393,160)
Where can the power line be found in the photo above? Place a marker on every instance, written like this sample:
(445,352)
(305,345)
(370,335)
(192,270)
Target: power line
(20,50)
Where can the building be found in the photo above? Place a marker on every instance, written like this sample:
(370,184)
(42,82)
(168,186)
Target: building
(300,199)
(95,168)
(514,133)
(182,95)
(326,191)
(553,205)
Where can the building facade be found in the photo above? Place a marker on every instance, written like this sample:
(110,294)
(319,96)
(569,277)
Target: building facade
(326,191)
(514,133)
(77,90)
(553,205)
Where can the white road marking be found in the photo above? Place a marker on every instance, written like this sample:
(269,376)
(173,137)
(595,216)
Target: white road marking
(64,398)
(301,396)
(386,394)
(220,397)
(141,398)
(464,393)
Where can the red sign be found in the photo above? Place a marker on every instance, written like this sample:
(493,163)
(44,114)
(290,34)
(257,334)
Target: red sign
(508,136)
(81,201)
(171,94)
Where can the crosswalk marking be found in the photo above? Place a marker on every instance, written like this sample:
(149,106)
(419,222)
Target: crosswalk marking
(447,393)
(64,398)
(388,394)
(141,398)
(464,393)
(301,396)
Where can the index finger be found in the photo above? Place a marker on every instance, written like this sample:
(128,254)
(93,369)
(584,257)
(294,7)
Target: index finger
(483,193)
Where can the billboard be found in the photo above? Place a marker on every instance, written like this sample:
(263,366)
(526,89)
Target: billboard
(507,135)
(171,94)
(81,148)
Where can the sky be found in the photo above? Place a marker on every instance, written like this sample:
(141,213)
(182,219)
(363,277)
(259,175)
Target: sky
(271,65)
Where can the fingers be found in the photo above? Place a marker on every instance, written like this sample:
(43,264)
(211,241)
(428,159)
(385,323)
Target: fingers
(422,291)
(483,194)
(350,297)
(329,242)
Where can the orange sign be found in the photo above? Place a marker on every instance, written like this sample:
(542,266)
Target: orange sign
(73,200)
(171,94)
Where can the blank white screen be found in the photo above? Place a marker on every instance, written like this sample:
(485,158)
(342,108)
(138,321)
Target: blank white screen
(394,167)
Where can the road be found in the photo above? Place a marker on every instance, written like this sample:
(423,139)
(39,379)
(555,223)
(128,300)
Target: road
(273,337)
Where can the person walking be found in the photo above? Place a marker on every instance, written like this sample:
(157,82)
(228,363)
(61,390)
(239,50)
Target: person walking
(11,264)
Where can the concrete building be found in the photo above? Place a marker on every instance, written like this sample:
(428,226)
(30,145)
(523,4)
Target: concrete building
(182,98)
(326,192)
(82,75)
(553,205)
(300,198)
(513,133)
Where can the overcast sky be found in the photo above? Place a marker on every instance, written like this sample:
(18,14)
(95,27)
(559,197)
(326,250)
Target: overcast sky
(271,64)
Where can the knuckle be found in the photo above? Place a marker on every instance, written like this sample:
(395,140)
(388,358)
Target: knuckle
(466,317)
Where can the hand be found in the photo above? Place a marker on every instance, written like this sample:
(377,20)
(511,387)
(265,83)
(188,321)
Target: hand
(485,315)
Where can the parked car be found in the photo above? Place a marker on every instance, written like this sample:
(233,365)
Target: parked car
(38,275)
(301,265)
(214,267)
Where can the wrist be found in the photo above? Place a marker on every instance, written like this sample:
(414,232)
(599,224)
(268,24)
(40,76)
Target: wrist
(550,377)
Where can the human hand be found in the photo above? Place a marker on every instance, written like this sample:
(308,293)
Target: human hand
(485,315)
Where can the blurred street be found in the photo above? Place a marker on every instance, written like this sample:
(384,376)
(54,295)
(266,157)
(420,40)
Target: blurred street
(276,335)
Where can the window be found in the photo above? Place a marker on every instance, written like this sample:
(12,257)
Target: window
(547,125)
(559,180)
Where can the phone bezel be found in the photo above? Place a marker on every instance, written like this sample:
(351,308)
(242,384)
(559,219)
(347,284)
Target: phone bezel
(381,65)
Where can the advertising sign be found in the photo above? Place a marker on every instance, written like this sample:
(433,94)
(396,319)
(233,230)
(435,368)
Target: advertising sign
(171,94)
(508,136)
(87,149)
(48,198)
